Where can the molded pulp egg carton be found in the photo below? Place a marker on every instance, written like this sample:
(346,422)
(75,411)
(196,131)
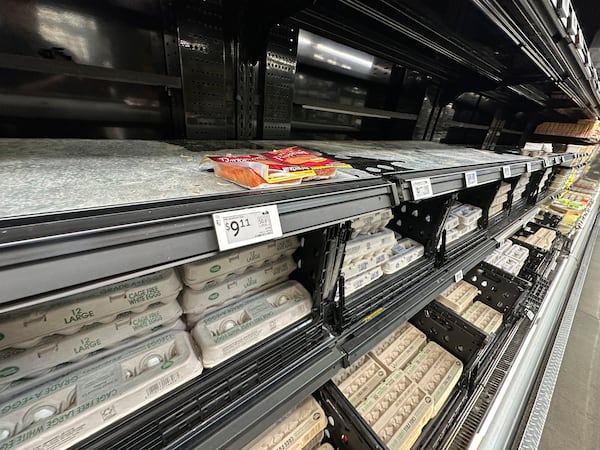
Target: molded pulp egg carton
(397,410)
(496,209)
(458,296)
(503,189)
(70,408)
(400,347)
(206,272)
(360,379)
(468,214)
(55,350)
(542,238)
(302,428)
(198,303)
(361,281)
(436,371)
(484,317)
(369,244)
(67,316)
(360,266)
(405,252)
(227,332)
(499,200)
(371,223)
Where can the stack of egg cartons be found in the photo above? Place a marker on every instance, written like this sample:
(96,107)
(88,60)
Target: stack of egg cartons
(536,149)
(542,238)
(303,428)
(521,187)
(373,250)
(400,385)
(240,297)
(499,200)
(483,317)
(560,179)
(509,257)
(145,354)
(461,221)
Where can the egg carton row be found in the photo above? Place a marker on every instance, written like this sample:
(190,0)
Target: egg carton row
(509,257)
(369,245)
(63,412)
(458,296)
(542,238)
(352,285)
(371,223)
(460,231)
(484,317)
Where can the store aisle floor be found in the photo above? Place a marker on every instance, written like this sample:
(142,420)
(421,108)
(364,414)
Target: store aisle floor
(573,421)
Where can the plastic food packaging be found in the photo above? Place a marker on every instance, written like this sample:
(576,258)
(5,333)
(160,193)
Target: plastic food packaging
(231,330)
(61,413)
(436,371)
(68,315)
(360,379)
(509,265)
(197,303)
(210,271)
(400,347)
(300,429)
(296,156)
(458,296)
(484,317)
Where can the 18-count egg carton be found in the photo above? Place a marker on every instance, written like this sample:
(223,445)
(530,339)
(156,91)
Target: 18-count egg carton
(67,316)
(360,379)
(302,428)
(399,347)
(462,220)
(70,408)
(196,303)
(56,350)
(227,332)
(484,317)
(211,271)
(458,296)
(509,257)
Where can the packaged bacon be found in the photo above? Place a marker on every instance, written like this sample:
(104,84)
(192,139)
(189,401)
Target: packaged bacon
(322,166)
(254,171)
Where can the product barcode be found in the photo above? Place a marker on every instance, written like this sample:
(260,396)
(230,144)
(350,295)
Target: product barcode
(162,384)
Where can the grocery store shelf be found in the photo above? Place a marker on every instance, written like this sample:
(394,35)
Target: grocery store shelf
(360,111)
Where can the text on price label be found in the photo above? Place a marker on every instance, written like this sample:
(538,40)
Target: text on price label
(247,226)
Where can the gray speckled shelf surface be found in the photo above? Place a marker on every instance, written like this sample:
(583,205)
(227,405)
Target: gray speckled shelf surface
(40,176)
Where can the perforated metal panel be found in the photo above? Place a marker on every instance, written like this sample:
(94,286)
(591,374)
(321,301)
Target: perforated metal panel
(280,68)
(246,114)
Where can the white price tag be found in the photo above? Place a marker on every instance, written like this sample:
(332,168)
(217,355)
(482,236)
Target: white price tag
(471,178)
(562,159)
(247,226)
(545,163)
(506,171)
(421,188)
(458,276)
(530,315)
(529,167)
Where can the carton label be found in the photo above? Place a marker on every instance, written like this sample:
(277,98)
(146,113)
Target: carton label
(78,314)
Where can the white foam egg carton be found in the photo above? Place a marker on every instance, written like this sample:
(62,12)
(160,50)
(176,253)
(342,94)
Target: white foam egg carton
(68,315)
(436,371)
(360,266)
(484,317)
(458,296)
(302,428)
(509,265)
(371,223)
(61,413)
(360,379)
(231,330)
(359,282)
(206,272)
(55,350)
(504,246)
(197,303)
(369,244)
(397,411)
(399,347)
(494,258)
(451,222)
(404,253)
(468,214)
(518,252)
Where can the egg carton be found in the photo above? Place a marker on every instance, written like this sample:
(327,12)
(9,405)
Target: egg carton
(404,253)
(509,264)
(198,303)
(368,245)
(231,330)
(495,210)
(55,350)
(360,379)
(399,347)
(463,229)
(301,428)
(210,271)
(24,329)
(63,412)
(397,411)
(499,200)
(452,235)
(504,246)
(458,296)
(360,266)
(484,317)
(436,371)
(468,214)
(518,252)
(494,258)
(451,222)
(504,188)
(325,446)
(355,284)
(371,223)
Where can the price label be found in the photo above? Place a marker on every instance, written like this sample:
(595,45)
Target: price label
(247,226)
(529,167)
(545,163)
(458,276)
(471,178)
(562,159)
(421,188)
(530,315)
(557,160)
(506,171)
